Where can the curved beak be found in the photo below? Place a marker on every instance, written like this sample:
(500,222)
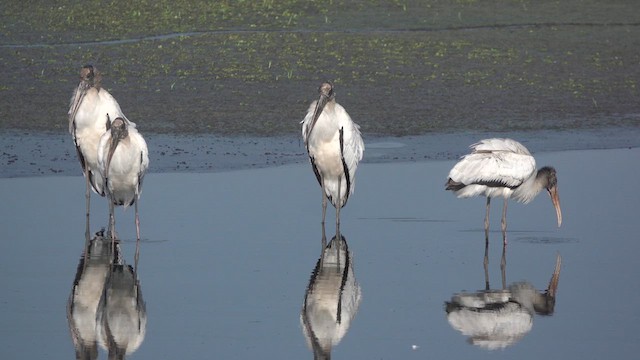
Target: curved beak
(555,199)
(322,101)
(553,283)
(116,135)
(77,100)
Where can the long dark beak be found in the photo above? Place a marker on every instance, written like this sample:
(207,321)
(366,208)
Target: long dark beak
(115,139)
(322,101)
(553,283)
(77,100)
(555,199)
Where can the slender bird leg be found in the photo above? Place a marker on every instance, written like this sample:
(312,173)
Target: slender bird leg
(486,219)
(486,264)
(112,223)
(323,243)
(504,223)
(504,216)
(137,255)
(503,267)
(338,206)
(87,230)
(324,202)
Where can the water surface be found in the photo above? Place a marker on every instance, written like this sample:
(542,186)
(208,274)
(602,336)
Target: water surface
(226,259)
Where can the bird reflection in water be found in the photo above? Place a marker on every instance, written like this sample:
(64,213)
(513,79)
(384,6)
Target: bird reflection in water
(495,319)
(105,307)
(332,298)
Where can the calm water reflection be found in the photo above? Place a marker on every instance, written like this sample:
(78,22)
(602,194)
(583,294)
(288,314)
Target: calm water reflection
(497,318)
(332,298)
(105,307)
(232,252)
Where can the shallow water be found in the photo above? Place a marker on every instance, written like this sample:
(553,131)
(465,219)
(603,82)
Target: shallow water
(226,259)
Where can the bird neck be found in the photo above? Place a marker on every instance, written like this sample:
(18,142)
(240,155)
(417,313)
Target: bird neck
(530,188)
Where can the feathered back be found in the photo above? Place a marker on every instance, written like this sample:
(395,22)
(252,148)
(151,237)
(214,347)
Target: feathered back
(503,161)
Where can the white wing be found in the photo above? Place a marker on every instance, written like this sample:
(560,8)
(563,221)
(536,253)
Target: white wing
(353,145)
(110,107)
(144,160)
(499,161)
(499,144)
(307,119)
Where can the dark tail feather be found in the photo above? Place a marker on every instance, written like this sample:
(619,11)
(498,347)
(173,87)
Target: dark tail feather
(453,185)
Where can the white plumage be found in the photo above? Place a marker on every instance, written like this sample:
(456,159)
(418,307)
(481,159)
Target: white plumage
(90,109)
(123,159)
(502,167)
(335,147)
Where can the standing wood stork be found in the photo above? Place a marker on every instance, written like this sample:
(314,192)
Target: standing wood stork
(123,159)
(335,147)
(90,108)
(502,167)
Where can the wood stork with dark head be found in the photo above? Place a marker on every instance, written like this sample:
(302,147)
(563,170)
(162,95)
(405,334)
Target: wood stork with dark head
(335,147)
(90,109)
(123,160)
(502,167)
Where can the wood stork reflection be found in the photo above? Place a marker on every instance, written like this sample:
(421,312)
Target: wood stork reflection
(122,314)
(123,160)
(332,298)
(88,286)
(502,167)
(495,319)
(90,108)
(335,147)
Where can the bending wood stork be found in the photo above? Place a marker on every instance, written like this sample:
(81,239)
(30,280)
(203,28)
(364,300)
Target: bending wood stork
(502,167)
(123,160)
(90,108)
(335,147)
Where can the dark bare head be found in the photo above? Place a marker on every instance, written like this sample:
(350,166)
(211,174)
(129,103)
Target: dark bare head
(326,91)
(547,305)
(548,178)
(326,95)
(90,76)
(118,129)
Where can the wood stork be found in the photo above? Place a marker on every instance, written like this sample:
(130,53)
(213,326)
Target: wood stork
(90,108)
(123,160)
(502,167)
(332,298)
(495,319)
(335,147)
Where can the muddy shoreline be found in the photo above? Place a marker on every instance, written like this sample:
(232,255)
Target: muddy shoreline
(26,154)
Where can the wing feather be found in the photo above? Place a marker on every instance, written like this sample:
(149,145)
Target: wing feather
(307,121)
(353,145)
(495,161)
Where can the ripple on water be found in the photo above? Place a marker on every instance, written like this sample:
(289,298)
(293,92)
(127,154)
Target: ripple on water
(546,240)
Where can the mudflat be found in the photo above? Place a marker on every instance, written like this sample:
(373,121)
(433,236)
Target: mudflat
(399,67)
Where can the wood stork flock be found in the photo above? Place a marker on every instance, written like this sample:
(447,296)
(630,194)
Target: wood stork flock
(114,159)
(113,155)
